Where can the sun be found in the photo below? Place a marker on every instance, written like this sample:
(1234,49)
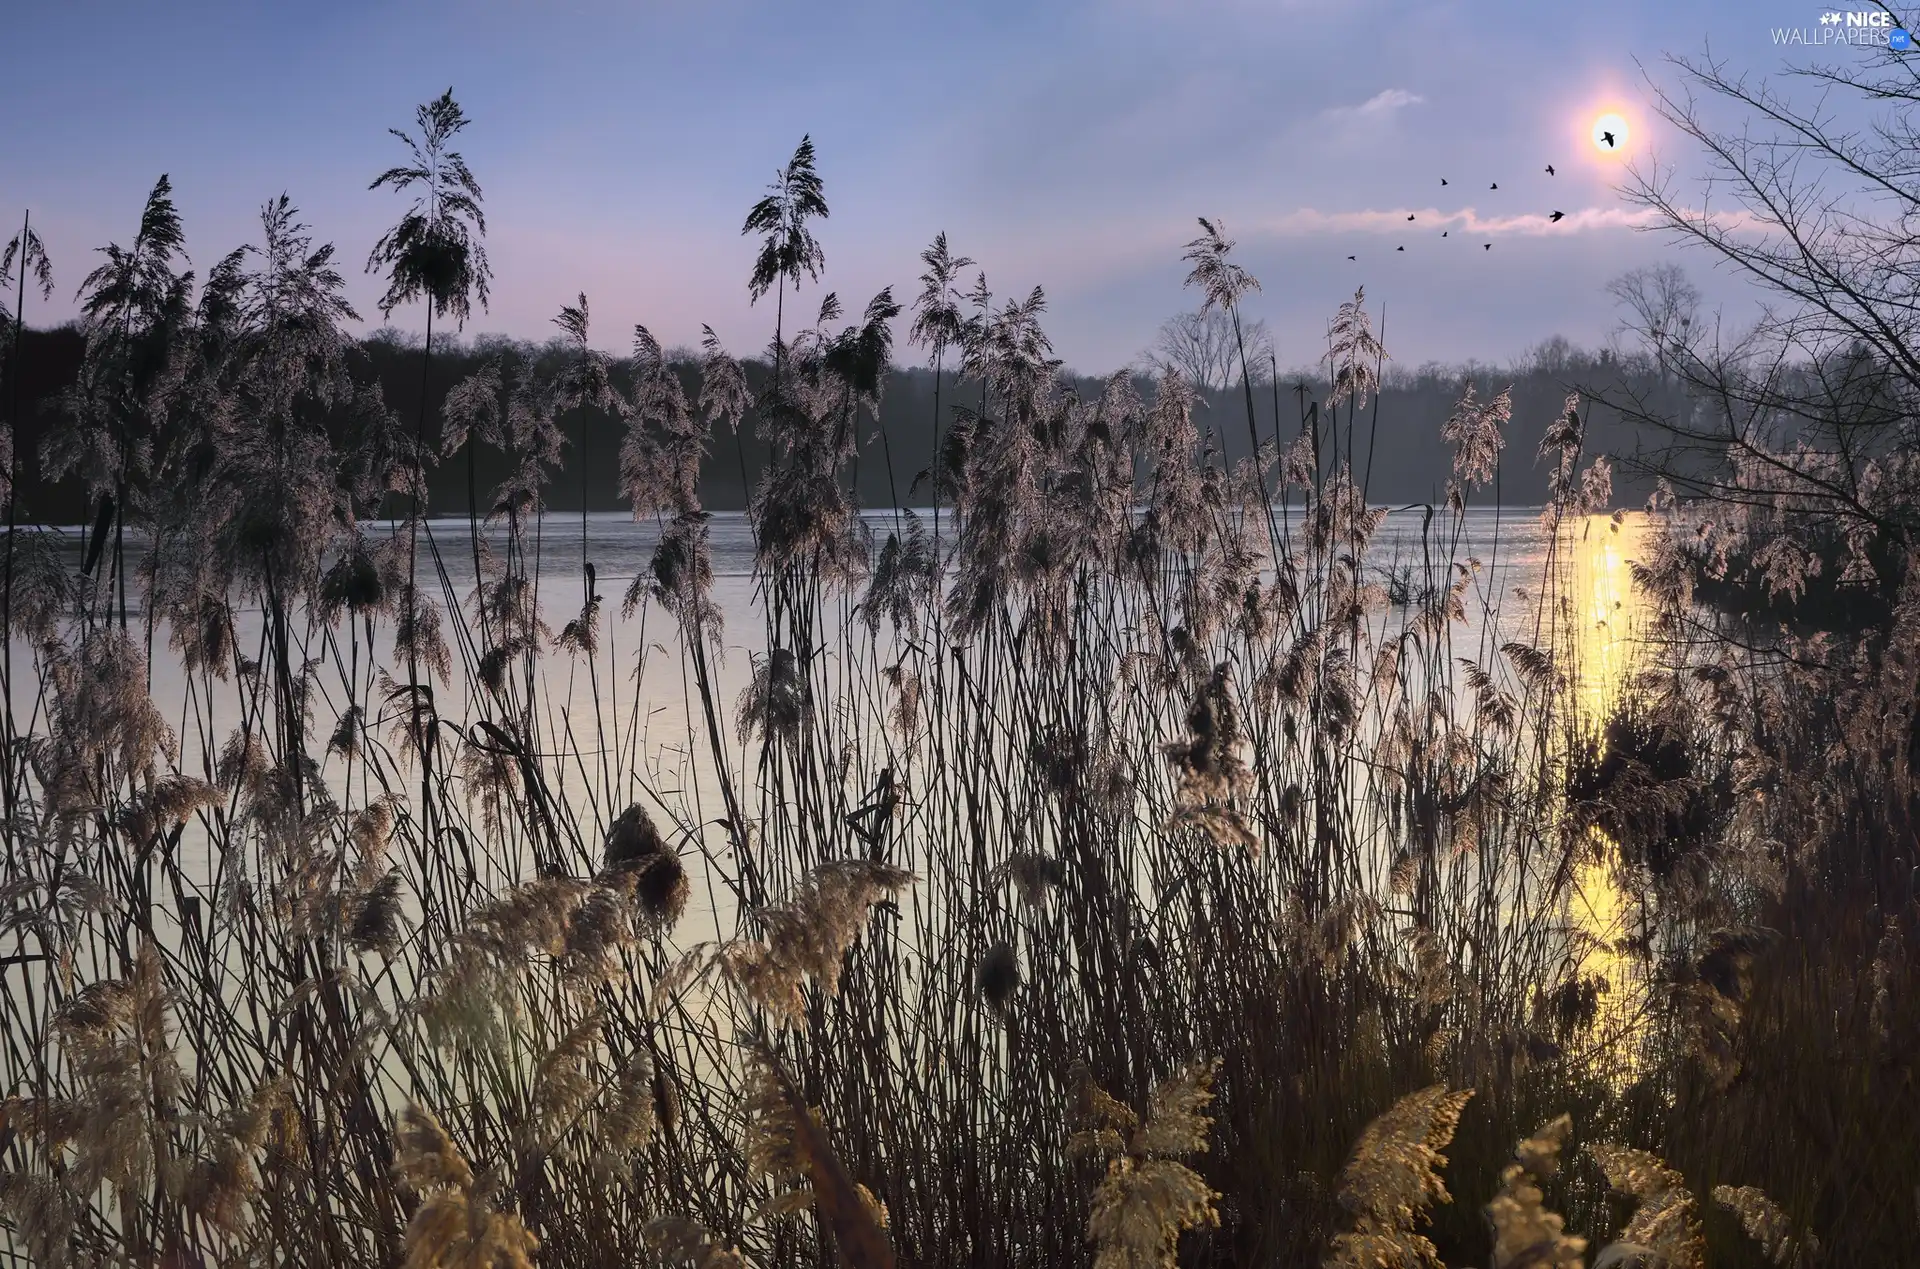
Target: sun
(1610,133)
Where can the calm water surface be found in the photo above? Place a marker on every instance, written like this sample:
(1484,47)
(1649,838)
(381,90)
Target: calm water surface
(640,679)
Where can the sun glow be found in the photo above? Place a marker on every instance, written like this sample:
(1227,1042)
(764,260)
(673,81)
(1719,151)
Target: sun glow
(1610,133)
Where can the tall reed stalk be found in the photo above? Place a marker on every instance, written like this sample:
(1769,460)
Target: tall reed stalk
(1126,878)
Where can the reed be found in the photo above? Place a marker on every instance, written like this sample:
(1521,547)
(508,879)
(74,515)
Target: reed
(1115,874)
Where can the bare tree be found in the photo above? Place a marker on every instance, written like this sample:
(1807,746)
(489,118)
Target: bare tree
(1805,424)
(1660,305)
(1202,348)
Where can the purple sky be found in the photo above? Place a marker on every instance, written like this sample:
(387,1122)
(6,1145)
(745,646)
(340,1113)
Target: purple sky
(1065,144)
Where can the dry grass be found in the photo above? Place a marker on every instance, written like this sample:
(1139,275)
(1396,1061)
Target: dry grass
(1127,759)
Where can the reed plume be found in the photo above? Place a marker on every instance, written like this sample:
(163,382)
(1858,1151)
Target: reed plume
(434,252)
(1390,1180)
(1768,1226)
(1147,1197)
(222,1187)
(804,939)
(680,1241)
(117,1034)
(455,1225)
(787,1143)
(1474,431)
(1663,1226)
(638,857)
(998,975)
(1525,1234)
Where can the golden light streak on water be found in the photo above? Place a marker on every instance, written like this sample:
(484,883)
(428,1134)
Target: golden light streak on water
(1604,616)
(1606,612)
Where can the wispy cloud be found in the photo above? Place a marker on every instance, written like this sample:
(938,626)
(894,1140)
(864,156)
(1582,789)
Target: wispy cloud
(1382,105)
(1308,220)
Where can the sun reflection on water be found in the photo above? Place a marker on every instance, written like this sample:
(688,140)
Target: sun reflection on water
(1603,617)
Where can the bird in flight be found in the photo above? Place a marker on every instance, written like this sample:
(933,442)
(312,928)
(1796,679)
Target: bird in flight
(1557,217)
(1443,233)
(1495,185)
(1549,169)
(1349,257)
(1608,138)
(1409,215)
(1443,180)
(1399,248)
(1487,246)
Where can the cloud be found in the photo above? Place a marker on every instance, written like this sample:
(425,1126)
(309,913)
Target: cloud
(1308,220)
(1381,105)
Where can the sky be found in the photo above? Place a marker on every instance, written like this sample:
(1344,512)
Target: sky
(1070,145)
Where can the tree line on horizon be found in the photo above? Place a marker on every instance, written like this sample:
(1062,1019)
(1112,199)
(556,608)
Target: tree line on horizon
(1409,463)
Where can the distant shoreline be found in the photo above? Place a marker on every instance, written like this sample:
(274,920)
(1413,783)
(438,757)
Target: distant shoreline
(137,533)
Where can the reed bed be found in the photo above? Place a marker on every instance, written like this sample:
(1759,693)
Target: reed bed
(1098,866)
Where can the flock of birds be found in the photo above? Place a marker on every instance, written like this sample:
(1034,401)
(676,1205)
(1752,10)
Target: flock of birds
(1555,218)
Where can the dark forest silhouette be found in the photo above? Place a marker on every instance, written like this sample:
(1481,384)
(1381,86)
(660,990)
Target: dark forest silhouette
(1410,463)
